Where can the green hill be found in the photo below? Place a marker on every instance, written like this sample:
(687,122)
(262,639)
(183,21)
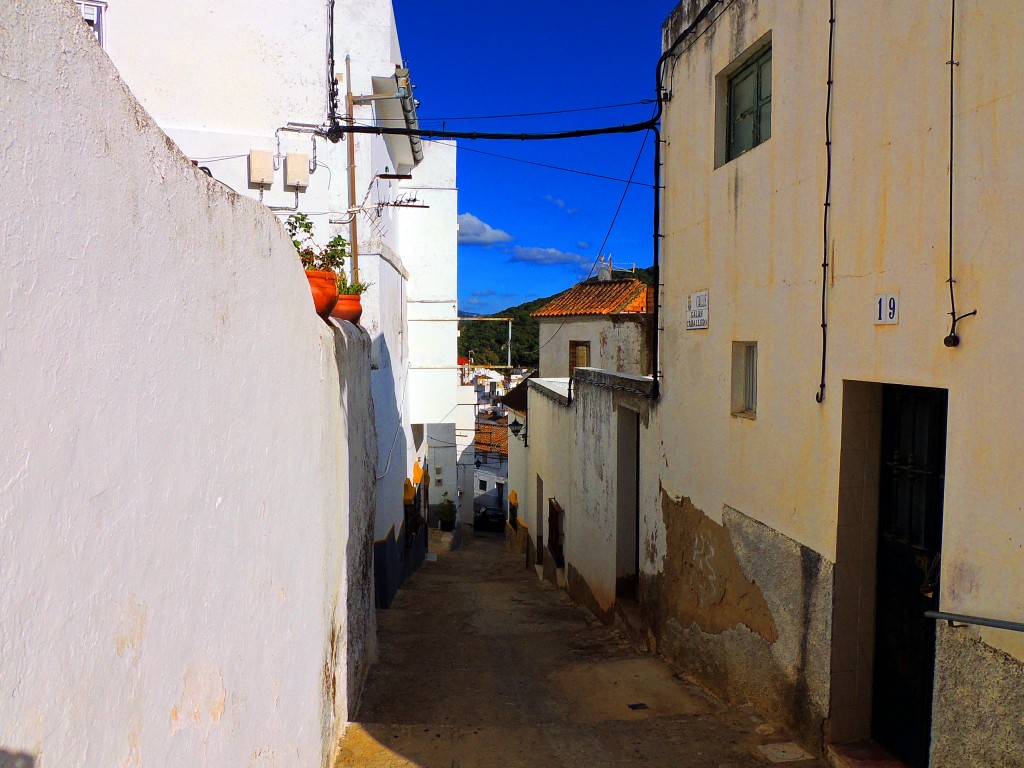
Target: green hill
(487,340)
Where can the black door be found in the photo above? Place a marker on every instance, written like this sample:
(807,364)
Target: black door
(909,539)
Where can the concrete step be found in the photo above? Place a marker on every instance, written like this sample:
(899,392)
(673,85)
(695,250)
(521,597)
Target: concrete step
(861,754)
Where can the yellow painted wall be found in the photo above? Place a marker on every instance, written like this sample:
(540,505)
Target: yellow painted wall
(750,232)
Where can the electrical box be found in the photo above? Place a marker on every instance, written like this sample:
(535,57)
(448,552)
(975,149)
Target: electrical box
(261,166)
(296,170)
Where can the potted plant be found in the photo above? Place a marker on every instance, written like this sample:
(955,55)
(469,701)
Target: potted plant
(446,514)
(322,264)
(349,306)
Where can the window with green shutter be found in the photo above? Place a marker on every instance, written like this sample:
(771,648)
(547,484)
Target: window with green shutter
(750,105)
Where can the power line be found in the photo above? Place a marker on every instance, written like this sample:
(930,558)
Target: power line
(556,167)
(538,114)
(607,235)
(336,132)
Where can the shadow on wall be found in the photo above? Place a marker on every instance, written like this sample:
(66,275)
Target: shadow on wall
(401,550)
(16,759)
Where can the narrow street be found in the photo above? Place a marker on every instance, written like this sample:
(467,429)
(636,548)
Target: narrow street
(482,664)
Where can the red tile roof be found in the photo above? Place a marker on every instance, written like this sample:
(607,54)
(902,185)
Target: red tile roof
(608,297)
(492,437)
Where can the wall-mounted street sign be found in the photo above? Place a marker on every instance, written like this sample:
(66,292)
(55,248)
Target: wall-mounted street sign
(886,309)
(697,311)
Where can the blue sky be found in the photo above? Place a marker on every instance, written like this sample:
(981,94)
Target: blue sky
(529,231)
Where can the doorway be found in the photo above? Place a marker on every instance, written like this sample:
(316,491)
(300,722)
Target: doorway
(909,543)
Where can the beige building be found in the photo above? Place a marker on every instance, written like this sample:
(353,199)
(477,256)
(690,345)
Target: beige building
(574,464)
(795,496)
(596,324)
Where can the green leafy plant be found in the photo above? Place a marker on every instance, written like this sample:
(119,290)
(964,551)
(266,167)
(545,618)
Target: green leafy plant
(347,288)
(328,258)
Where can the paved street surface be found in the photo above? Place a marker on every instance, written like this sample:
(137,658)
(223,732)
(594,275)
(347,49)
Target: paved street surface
(481,664)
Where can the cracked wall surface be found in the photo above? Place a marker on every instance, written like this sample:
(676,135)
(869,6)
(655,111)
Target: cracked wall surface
(747,611)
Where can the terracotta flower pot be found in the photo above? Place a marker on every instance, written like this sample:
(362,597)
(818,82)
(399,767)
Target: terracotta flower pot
(349,307)
(324,287)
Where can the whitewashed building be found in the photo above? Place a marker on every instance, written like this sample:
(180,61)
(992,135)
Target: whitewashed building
(258,94)
(189,453)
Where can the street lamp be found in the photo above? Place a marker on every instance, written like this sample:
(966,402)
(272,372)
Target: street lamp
(516,427)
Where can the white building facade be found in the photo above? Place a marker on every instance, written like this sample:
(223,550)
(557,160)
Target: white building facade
(258,94)
(189,456)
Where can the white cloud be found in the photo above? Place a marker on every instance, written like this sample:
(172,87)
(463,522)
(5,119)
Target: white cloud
(472,231)
(487,292)
(546,256)
(560,203)
(582,245)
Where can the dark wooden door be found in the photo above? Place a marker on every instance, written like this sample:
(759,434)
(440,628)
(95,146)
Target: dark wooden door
(909,540)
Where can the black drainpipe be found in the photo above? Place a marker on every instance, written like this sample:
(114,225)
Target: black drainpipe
(658,236)
(332,81)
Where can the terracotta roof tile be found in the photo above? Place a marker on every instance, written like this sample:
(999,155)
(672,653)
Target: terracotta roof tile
(492,437)
(608,297)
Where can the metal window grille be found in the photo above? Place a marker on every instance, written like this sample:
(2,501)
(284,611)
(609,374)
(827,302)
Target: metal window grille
(579,355)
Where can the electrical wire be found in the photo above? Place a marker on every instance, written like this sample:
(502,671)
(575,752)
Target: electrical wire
(215,159)
(819,397)
(953,339)
(440,142)
(608,234)
(334,133)
(537,114)
(546,165)
(659,78)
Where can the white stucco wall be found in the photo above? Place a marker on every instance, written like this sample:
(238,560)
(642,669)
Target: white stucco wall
(590,540)
(551,456)
(221,78)
(442,457)
(519,470)
(175,488)
(428,238)
(465,437)
(618,344)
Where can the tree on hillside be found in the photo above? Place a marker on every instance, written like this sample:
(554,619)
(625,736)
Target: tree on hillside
(488,340)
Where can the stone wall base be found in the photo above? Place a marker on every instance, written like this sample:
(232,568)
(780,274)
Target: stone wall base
(978,709)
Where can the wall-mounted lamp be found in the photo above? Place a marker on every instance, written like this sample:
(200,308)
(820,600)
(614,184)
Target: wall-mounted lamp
(516,427)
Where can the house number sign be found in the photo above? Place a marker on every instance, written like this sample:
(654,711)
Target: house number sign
(887,309)
(697,311)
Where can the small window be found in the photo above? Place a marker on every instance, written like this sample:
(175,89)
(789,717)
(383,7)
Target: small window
(750,105)
(92,14)
(482,485)
(744,379)
(579,355)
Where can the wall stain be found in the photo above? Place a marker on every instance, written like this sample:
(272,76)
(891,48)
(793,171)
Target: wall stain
(704,614)
(704,583)
(132,628)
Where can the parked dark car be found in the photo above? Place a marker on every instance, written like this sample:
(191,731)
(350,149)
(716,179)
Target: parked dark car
(489,519)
